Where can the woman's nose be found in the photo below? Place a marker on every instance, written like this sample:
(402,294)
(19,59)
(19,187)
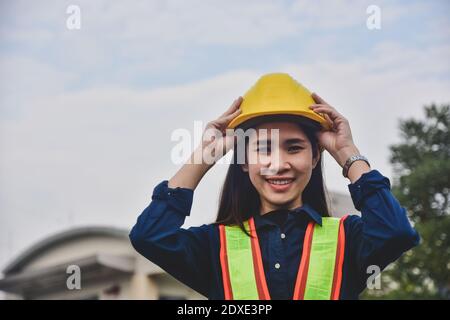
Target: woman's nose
(278,163)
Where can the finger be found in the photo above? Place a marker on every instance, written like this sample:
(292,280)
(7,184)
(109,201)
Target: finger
(230,117)
(332,125)
(314,108)
(321,105)
(333,114)
(328,110)
(236,104)
(318,99)
(317,105)
(224,120)
(330,122)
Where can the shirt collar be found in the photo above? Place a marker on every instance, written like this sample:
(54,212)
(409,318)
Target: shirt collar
(305,210)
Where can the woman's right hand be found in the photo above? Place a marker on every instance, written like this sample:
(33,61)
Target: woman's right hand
(215,142)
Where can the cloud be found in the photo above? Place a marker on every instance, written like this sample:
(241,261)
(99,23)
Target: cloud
(22,79)
(116,41)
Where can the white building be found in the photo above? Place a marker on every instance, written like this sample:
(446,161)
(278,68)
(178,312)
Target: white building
(110,269)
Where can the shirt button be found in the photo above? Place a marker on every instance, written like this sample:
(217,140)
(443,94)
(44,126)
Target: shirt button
(277,265)
(283,236)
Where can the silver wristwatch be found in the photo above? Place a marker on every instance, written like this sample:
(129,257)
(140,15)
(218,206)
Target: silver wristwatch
(350,161)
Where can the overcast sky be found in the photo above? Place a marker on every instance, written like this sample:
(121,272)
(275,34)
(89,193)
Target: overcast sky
(87,115)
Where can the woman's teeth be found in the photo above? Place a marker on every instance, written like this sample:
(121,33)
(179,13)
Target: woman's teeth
(280,181)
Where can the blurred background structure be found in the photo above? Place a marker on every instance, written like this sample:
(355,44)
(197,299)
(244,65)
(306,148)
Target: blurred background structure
(110,269)
(91,93)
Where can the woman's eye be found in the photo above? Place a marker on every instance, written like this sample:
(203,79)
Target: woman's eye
(263,149)
(295,148)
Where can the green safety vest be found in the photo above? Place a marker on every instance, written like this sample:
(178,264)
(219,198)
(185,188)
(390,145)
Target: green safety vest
(320,272)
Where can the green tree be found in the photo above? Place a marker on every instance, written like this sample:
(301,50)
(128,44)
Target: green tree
(421,184)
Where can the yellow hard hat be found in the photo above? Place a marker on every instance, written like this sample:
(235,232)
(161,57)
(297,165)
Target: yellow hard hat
(276,94)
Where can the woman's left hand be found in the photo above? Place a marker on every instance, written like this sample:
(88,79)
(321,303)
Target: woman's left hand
(338,140)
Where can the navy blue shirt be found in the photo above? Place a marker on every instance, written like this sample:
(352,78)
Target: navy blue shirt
(191,255)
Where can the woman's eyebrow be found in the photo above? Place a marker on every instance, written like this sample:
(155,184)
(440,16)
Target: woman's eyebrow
(294,140)
(262,142)
(287,141)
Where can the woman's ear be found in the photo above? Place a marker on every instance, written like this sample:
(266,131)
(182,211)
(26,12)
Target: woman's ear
(244,167)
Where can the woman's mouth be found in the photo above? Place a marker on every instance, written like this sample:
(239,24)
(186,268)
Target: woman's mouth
(280,185)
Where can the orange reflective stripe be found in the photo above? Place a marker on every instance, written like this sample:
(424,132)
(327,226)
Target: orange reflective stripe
(228,293)
(261,284)
(337,279)
(300,283)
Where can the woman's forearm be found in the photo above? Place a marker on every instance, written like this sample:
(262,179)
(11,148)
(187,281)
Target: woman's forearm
(191,173)
(358,168)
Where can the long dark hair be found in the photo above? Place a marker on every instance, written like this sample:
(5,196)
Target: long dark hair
(239,199)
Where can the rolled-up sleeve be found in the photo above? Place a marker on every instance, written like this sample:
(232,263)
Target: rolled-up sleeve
(383,232)
(158,236)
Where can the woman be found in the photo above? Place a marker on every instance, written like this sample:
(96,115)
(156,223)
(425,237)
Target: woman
(274,237)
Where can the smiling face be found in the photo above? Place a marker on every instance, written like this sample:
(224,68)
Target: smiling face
(289,161)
